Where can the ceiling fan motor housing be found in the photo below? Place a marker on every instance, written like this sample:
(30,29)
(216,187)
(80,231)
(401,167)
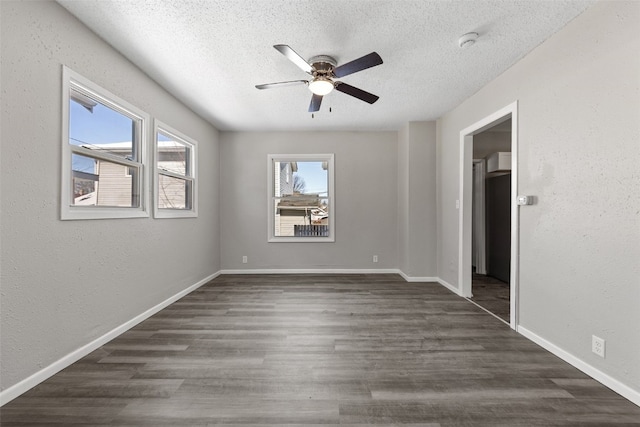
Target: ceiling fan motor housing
(323,65)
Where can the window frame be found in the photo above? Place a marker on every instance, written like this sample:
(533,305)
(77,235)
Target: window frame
(74,81)
(271,174)
(192,176)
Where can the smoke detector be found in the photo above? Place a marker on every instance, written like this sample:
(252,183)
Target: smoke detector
(467,40)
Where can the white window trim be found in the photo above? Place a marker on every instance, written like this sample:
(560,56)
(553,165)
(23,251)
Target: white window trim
(73,80)
(329,158)
(193,177)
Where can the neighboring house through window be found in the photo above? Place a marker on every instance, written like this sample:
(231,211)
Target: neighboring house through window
(301,193)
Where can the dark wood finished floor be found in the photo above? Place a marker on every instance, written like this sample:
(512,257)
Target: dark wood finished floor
(318,350)
(491,294)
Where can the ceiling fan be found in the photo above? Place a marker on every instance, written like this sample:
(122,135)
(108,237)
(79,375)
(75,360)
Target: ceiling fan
(324,70)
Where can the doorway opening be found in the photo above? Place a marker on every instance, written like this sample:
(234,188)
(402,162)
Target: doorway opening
(488,229)
(491,220)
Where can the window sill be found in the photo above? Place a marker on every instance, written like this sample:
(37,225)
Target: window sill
(301,239)
(174,213)
(101,213)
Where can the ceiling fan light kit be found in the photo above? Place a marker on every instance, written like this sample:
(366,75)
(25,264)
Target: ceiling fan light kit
(324,71)
(321,86)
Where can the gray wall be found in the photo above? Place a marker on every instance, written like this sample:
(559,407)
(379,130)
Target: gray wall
(366,181)
(579,127)
(417,237)
(67,283)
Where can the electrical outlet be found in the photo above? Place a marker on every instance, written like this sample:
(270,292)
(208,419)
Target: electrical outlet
(245,259)
(375,258)
(598,345)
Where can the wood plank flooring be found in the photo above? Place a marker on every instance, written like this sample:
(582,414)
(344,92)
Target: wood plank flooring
(319,350)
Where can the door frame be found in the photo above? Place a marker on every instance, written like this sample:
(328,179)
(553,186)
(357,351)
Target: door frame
(478,216)
(465,204)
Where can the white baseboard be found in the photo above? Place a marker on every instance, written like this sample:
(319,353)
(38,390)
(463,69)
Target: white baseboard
(417,279)
(333,271)
(449,286)
(312,271)
(614,384)
(28,383)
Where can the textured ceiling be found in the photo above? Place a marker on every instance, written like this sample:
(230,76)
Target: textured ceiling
(212,53)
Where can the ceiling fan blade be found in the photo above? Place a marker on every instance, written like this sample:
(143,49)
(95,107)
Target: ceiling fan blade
(316,100)
(367,61)
(294,57)
(281,84)
(356,93)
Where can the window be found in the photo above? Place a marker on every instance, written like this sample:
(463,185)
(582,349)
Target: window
(175,173)
(301,194)
(103,153)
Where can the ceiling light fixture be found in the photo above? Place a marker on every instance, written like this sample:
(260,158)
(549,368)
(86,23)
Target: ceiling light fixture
(321,86)
(467,40)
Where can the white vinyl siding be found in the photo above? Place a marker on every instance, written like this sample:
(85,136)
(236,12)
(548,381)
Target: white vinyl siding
(285,223)
(114,184)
